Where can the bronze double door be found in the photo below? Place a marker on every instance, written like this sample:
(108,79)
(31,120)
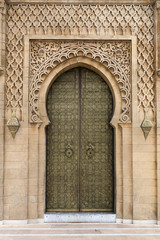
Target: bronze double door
(79,143)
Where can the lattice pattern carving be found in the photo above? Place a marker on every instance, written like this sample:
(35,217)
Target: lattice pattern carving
(115,55)
(78,19)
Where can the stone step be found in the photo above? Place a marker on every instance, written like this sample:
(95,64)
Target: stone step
(78,225)
(79,232)
(80,237)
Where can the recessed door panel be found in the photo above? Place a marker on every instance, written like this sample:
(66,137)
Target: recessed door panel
(79,143)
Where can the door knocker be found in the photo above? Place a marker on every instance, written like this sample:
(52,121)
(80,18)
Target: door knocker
(90,150)
(69,151)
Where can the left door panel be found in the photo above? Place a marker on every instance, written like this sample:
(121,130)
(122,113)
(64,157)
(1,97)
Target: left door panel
(62,144)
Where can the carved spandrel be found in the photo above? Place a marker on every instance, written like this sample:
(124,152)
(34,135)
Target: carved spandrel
(24,19)
(116,56)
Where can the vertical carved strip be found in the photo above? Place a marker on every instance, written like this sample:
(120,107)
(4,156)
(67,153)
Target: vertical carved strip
(2,84)
(157,43)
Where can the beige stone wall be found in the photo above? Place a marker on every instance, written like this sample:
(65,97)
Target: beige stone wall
(22,179)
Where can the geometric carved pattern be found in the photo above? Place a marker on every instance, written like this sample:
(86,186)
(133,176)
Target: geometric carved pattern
(45,55)
(80,19)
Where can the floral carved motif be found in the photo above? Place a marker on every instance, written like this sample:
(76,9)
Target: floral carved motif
(115,55)
(80,19)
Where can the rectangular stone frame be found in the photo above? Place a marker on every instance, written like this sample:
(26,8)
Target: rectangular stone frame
(124,142)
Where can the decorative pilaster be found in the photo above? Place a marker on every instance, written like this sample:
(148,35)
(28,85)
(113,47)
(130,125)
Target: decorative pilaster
(2,84)
(157,43)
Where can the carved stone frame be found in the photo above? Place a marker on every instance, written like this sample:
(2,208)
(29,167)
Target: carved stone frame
(37,138)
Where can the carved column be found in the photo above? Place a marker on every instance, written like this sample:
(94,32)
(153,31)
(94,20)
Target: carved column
(16,149)
(2,81)
(157,43)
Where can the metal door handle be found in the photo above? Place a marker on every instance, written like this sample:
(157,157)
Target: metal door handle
(69,151)
(90,150)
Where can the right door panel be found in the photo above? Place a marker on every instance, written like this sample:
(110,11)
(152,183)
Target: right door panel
(96,163)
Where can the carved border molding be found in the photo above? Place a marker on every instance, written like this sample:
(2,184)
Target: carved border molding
(134,2)
(45,55)
(91,19)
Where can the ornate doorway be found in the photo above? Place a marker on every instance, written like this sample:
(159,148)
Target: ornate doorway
(79,144)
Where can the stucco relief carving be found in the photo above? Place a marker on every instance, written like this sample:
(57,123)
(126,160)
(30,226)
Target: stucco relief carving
(80,19)
(115,55)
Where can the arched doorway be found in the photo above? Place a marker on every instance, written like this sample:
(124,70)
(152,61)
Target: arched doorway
(79,143)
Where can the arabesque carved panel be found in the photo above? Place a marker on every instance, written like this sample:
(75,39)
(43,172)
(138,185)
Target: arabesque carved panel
(115,55)
(79,19)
